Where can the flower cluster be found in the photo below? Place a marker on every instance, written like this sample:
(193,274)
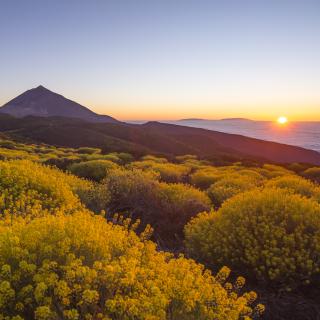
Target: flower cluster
(28,188)
(80,266)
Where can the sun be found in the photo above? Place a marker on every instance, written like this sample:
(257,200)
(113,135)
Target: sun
(282,120)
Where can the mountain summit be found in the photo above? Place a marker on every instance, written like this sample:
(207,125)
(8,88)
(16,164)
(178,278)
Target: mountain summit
(42,102)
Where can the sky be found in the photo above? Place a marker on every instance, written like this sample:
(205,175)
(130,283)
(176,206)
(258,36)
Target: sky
(167,59)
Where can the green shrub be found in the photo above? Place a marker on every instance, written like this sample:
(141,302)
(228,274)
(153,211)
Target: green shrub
(194,164)
(298,167)
(312,174)
(81,267)
(63,162)
(205,177)
(271,235)
(124,190)
(125,157)
(7,144)
(186,157)
(273,171)
(169,172)
(88,150)
(154,159)
(94,169)
(167,207)
(177,204)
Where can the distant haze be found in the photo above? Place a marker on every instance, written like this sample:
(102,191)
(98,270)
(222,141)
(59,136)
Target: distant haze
(167,59)
(302,134)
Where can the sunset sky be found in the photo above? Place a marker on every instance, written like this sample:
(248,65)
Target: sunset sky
(167,59)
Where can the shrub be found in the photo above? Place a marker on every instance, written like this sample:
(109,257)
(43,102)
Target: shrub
(298,167)
(31,188)
(272,236)
(7,144)
(273,171)
(154,159)
(125,157)
(252,175)
(88,150)
(81,267)
(297,185)
(94,169)
(62,163)
(167,207)
(169,172)
(8,154)
(204,178)
(177,204)
(186,157)
(312,174)
(229,186)
(194,164)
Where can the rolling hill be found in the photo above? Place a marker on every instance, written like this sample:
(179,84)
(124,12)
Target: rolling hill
(151,138)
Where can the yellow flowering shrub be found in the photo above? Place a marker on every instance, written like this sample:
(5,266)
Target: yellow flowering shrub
(229,186)
(94,169)
(28,188)
(271,235)
(80,266)
(297,185)
(169,172)
(204,177)
(273,171)
(8,154)
(194,164)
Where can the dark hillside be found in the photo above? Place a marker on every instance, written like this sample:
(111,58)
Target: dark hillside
(152,137)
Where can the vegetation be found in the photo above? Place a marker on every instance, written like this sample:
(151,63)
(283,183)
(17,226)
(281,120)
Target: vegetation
(271,235)
(81,267)
(312,174)
(28,188)
(60,261)
(297,185)
(205,177)
(167,207)
(169,172)
(94,169)
(229,186)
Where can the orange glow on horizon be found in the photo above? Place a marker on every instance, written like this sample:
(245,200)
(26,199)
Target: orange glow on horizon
(164,110)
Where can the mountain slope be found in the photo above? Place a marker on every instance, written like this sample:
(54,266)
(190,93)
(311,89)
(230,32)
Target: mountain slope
(42,102)
(152,138)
